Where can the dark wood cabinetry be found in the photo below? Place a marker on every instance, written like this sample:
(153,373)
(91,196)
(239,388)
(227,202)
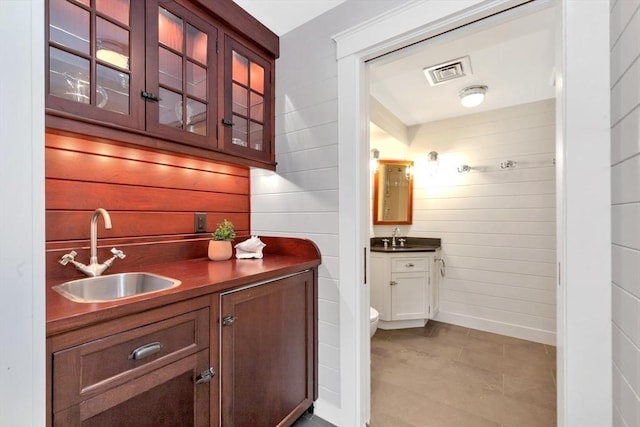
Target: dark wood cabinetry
(145,375)
(267,354)
(181,63)
(170,75)
(236,355)
(247,102)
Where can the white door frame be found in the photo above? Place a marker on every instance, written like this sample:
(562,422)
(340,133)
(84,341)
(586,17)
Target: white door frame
(583,219)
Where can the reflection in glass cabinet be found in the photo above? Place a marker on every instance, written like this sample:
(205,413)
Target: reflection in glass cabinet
(85,66)
(247,102)
(183,98)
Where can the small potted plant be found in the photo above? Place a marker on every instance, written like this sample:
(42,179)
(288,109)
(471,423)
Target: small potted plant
(220,243)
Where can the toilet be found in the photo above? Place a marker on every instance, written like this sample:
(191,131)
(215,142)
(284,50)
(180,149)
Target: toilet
(373,321)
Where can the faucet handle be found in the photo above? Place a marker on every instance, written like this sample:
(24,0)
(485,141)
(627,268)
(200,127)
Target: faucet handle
(118,253)
(67,257)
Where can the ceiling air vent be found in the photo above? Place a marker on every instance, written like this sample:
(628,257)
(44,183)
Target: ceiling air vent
(447,71)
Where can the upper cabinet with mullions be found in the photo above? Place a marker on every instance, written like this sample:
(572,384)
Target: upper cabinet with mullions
(167,70)
(181,75)
(247,102)
(96,59)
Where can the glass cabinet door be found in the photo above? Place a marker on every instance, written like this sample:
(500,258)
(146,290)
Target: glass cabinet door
(247,102)
(181,66)
(92,67)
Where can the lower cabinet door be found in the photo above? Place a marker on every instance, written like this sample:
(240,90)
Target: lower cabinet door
(267,353)
(409,296)
(168,396)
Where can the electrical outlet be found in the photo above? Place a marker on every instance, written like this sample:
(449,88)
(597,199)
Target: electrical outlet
(200,223)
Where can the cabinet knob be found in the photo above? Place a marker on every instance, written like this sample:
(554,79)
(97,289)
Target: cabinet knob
(409,264)
(228,320)
(205,376)
(393,283)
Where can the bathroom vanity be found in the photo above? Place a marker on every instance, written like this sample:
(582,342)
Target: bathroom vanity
(404,281)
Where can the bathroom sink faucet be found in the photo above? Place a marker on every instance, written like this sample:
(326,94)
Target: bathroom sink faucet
(396,230)
(94,268)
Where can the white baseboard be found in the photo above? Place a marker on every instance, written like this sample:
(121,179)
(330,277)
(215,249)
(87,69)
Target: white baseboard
(402,324)
(516,331)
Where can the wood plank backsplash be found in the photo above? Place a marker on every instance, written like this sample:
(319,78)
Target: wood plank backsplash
(151,197)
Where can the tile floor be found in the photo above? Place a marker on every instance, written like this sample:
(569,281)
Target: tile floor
(311,420)
(449,376)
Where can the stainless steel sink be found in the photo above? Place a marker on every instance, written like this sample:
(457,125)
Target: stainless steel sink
(114,286)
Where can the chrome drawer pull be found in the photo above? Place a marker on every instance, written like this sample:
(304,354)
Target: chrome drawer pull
(145,351)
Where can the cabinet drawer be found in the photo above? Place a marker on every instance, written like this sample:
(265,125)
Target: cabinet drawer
(93,367)
(403,265)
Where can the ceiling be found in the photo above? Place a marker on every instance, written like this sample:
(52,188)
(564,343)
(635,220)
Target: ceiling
(513,54)
(282,16)
(514,59)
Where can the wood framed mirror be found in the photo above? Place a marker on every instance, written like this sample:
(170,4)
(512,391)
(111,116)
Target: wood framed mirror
(393,192)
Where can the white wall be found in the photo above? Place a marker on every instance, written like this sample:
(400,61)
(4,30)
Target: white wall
(497,225)
(301,198)
(625,211)
(307,70)
(22,302)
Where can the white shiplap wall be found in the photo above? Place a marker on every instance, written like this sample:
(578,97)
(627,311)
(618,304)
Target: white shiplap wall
(497,225)
(625,211)
(301,198)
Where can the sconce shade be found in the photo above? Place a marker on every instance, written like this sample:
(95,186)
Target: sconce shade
(472,96)
(373,159)
(432,162)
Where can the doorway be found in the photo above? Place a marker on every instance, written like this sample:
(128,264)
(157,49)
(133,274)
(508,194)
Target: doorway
(583,131)
(491,201)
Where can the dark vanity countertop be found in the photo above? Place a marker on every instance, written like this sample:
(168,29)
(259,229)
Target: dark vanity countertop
(411,244)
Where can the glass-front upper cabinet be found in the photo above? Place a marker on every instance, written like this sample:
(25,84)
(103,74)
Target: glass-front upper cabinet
(181,76)
(94,63)
(247,120)
(166,74)
(144,65)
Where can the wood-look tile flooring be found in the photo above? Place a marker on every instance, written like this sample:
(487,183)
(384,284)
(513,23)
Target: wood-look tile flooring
(449,376)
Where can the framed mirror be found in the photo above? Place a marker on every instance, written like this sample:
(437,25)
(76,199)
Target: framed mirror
(393,192)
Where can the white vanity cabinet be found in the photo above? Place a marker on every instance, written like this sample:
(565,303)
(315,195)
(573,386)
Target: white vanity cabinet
(404,288)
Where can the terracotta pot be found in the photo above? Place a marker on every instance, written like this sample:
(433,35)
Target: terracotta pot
(220,250)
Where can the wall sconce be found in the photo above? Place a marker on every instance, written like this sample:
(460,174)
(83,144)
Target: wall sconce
(472,96)
(373,160)
(464,168)
(432,162)
(409,171)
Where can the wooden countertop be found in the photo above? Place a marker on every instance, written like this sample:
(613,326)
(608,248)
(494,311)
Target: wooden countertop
(199,277)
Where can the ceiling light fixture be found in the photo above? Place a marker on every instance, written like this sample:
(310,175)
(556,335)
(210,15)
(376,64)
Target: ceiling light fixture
(472,96)
(113,58)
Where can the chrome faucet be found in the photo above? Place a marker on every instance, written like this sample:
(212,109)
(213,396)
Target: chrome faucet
(396,230)
(94,268)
